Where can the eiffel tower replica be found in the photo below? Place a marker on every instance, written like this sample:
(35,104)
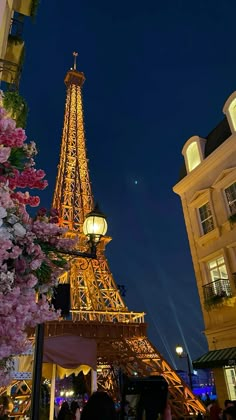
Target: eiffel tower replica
(97,307)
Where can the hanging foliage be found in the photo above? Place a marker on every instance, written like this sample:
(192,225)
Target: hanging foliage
(34,7)
(17,107)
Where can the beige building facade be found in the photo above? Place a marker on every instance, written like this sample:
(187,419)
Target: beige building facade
(6,14)
(12,14)
(207,189)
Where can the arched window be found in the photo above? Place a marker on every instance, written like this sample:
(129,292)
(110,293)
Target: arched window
(232,112)
(193,156)
(193,152)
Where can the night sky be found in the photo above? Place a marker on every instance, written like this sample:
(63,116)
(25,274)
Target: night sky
(157,72)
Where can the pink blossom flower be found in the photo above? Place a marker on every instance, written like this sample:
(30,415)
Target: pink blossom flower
(4,153)
(42,211)
(34,201)
(15,252)
(20,251)
(31,280)
(35,264)
(20,265)
(40,174)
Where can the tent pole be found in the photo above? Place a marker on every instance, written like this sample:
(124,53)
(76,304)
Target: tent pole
(37,372)
(52,394)
(93,381)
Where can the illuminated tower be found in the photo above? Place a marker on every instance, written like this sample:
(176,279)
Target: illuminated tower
(98,309)
(73,195)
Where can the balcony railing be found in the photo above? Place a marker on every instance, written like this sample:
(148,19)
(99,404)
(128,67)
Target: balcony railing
(216,291)
(10,72)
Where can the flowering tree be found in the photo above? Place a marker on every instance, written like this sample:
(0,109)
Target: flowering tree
(29,261)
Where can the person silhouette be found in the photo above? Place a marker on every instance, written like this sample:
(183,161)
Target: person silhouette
(100,406)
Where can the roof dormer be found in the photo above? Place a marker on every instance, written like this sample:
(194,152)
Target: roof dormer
(230,111)
(193,152)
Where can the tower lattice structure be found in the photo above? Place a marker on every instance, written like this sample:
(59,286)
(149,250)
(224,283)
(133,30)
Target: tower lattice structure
(98,309)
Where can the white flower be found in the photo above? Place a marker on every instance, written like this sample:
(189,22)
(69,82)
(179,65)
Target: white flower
(12,219)
(3,213)
(5,233)
(6,281)
(19,230)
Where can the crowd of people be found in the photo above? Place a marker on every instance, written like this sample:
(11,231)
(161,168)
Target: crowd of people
(67,412)
(215,412)
(100,406)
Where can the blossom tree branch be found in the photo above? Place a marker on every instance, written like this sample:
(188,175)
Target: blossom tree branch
(30,249)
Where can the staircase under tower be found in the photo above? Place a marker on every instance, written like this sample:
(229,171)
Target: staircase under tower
(97,307)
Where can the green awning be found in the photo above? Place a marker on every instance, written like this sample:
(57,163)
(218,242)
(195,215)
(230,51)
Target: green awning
(216,358)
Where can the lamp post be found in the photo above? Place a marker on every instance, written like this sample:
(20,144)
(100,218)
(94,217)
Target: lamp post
(180,352)
(94,227)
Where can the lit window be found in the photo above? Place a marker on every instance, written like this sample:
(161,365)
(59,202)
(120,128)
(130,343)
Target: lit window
(232,111)
(217,269)
(230,381)
(206,218)
(219,285)
(193,156)
(230,193)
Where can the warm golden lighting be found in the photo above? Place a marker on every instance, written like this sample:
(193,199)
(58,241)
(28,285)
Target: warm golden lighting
(97,306)
(179,350)
(193,156)
(95,225)
(72,196)
(232,111)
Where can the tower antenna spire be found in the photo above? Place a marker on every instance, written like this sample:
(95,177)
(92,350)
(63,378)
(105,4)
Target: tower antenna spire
(75,54)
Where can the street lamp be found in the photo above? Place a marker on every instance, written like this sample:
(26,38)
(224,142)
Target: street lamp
(94,227)
(180,352)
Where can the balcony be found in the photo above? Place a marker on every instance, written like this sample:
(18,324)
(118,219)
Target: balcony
(15,49)
(10,73)
(216,292)
(11,64)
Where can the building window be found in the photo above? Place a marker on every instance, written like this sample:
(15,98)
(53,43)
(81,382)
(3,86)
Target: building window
(217,269)
(219,285)
(206,218)
(232,112)
(230,193)
(230,377)
(193,156)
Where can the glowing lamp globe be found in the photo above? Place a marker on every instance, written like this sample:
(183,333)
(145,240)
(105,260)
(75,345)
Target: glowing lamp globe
(179,350)
(95,225)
